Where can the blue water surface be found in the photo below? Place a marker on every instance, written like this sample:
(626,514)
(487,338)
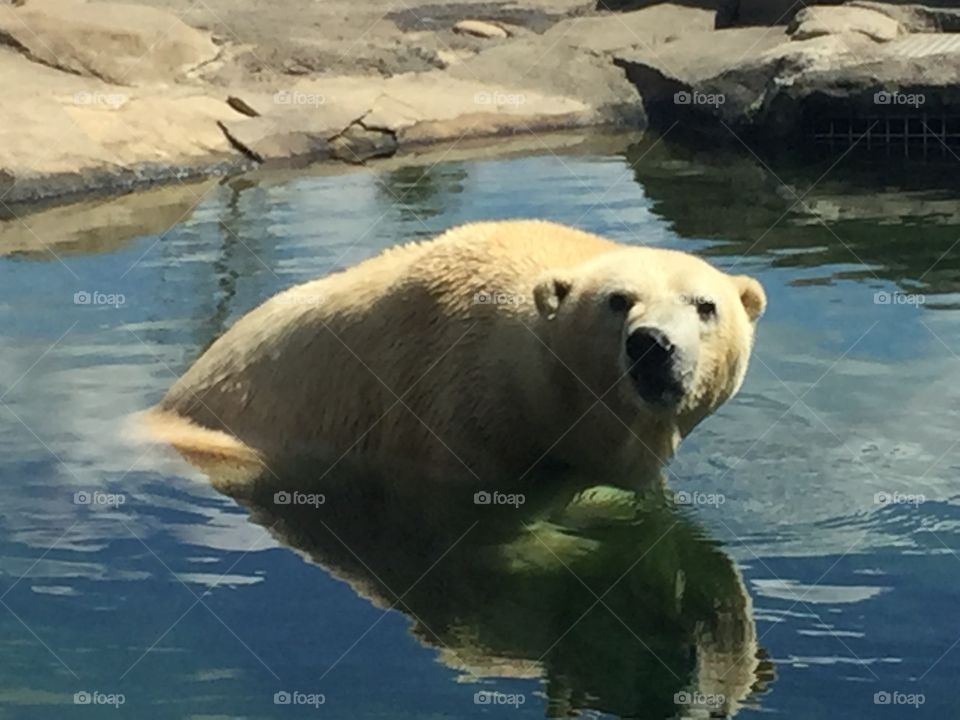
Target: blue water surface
(838,464)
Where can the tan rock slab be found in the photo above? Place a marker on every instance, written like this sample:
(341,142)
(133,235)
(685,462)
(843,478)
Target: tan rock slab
(115,42)
(57,123)
(352,118)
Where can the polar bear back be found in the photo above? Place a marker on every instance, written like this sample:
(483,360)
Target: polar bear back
(394,357)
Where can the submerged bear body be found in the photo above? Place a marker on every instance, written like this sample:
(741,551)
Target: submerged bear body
(477,355)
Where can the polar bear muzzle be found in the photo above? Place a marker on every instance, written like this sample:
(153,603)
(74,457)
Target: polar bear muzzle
(654,366)
(658,368)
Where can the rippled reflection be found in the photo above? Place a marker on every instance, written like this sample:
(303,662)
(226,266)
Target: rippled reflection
(534,589)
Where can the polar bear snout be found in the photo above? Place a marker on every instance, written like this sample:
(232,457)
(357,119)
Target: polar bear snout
(656,366)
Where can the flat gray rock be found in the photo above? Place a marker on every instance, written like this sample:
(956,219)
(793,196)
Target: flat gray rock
(760,83)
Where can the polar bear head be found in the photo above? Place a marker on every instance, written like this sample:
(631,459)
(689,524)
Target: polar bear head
(656,332)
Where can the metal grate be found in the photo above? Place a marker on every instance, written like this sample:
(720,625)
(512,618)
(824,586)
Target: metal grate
(923,45)
(915,135)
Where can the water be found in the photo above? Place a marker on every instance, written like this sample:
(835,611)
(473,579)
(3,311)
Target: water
(191,604)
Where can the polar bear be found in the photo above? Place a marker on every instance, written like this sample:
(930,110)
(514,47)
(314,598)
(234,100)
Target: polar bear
(489,351)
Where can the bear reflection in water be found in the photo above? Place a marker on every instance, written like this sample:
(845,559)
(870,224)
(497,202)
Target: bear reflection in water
(616,600)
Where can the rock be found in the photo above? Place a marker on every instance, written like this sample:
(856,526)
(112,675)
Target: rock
(241,107)
(780,12)
(389,113)
(102,94)
(481,29)
(435,107)
(650,26)
(446,58)
(350,119)
(273,140)
(817,21)
(295,67)
(359,143)
(6,181)
(63,133)
(332,103)
(661,72)
(296,124)
(594,87)
(916,18)
(355,119)
(468,126)
(131,134)
(781,88)
(116,43)
(442,96)
(698,85)
(514,30)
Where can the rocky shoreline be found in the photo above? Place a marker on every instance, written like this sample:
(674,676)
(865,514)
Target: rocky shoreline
(106,97)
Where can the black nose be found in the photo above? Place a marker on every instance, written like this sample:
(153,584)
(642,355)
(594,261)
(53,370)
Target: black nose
(653,366)
(650,348)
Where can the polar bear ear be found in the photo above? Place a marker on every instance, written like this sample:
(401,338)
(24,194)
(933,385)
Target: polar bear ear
(549,293)
(752,296)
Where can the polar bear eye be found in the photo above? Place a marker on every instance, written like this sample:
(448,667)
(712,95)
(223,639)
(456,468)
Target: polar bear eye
(618,302)
(706,309)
